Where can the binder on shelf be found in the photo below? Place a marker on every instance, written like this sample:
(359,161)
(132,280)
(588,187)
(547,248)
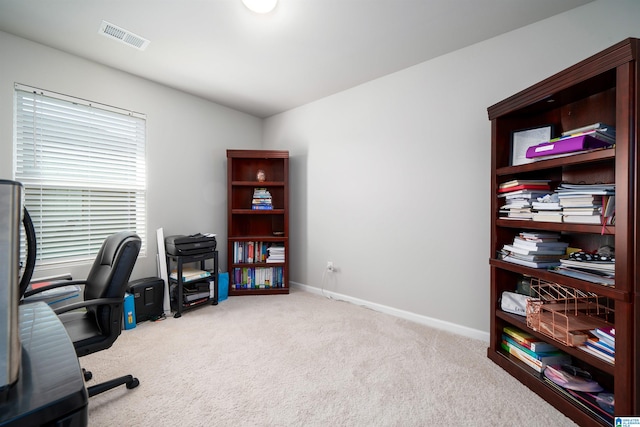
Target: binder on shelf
(566,145)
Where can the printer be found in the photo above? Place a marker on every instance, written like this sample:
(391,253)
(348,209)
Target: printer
(195,244)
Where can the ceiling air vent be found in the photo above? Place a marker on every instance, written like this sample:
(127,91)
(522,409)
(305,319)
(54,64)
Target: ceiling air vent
(120,34)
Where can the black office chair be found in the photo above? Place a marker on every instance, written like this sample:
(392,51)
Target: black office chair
(99,324)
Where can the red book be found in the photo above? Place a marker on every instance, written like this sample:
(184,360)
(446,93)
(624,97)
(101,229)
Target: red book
(524,187)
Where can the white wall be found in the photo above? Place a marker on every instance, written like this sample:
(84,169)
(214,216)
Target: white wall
(391,180)
(187,139)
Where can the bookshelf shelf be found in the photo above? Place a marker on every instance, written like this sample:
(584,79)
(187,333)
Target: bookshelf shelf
(578,159)
(603,88)
(252,231)
(257,212)
(578,228)
(263,183)
(532,381)
(608,292)
(522,324)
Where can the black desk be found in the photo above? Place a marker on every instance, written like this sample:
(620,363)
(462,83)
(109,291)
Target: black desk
(50,389)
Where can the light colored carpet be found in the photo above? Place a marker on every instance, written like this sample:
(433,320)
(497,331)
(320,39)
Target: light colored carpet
(304,360)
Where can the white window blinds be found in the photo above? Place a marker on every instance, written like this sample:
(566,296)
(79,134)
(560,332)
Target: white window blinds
(83,169)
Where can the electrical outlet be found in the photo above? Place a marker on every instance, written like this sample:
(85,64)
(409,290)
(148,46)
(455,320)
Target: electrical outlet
(330,266)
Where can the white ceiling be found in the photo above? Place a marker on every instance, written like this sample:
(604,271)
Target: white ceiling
(266,64)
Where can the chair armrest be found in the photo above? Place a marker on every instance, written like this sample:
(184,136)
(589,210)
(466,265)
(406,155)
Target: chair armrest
(54,286)
(89,303)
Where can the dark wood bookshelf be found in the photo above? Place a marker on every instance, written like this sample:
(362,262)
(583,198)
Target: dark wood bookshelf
(602,88)
(266,226)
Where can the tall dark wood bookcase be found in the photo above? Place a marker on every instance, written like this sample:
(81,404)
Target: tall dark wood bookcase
(602,88)
(252,231)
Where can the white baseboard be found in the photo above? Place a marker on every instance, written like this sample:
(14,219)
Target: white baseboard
(413,317)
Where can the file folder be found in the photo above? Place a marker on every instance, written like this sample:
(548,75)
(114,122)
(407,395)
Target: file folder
(566,145)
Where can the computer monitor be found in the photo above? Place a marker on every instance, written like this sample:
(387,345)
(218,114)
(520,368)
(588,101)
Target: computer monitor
(15,275)
(11,209)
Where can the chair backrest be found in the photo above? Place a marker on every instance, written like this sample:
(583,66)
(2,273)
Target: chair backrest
(110,273)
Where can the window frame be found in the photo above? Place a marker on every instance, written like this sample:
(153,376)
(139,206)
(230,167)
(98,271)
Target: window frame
(94,154)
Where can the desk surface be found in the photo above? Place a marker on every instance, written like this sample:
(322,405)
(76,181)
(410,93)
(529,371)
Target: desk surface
(50,386)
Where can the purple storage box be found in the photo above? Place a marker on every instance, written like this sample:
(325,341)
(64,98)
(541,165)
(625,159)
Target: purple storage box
(566,145)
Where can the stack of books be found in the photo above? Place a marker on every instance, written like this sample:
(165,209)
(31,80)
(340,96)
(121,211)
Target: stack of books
(276,254)
(519,195)
(587,203)
(533,352)
(600,272)
(261,199)
(535,249)
(602,344)
(524,184)
(547,208)
(599,131)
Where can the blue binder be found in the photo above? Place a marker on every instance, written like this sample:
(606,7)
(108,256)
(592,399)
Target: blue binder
(129,311)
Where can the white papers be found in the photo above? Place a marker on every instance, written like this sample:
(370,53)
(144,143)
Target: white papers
(162,266)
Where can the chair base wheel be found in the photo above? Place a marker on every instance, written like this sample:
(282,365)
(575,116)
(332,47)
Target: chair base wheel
(133,383)
(128,380)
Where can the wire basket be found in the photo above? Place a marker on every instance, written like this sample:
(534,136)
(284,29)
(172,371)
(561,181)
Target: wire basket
(566,314)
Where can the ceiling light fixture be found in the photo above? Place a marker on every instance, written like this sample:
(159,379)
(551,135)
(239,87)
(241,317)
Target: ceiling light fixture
(260,6)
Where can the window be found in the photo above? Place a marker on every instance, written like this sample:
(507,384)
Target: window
(83,169)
